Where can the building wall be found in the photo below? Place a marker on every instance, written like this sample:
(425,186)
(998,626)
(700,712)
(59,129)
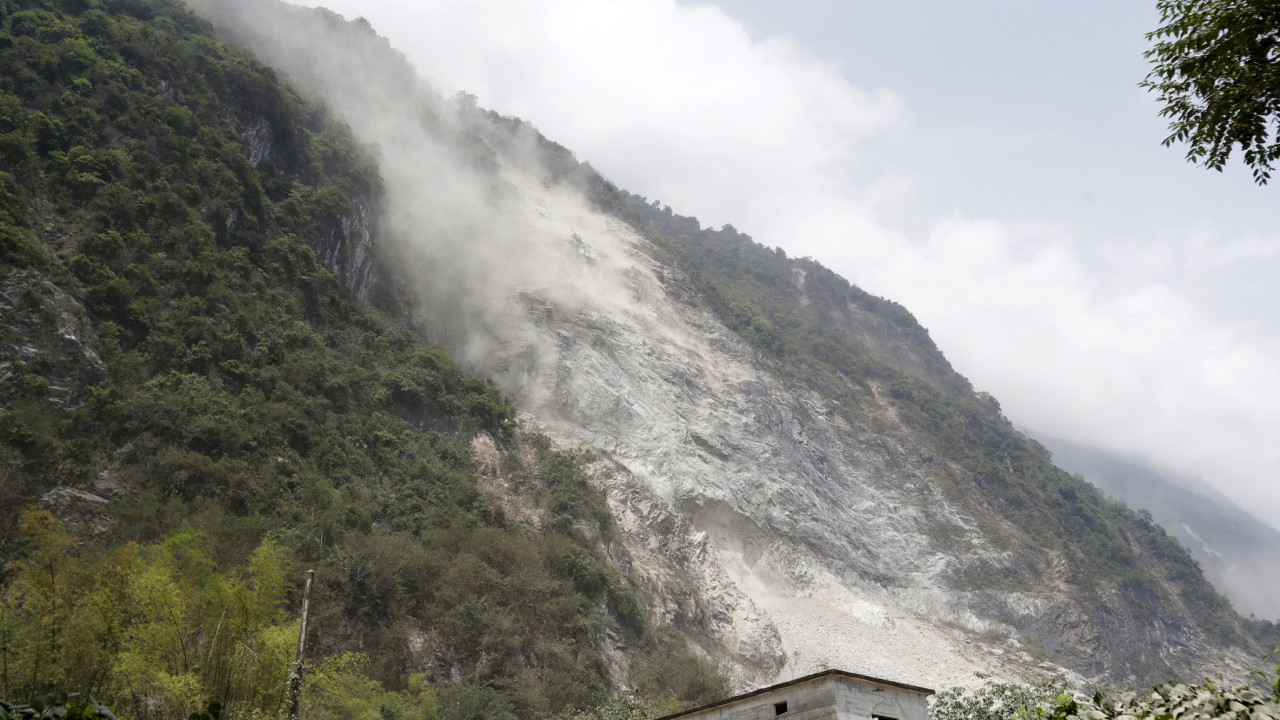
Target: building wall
(807,701)
(828,698)
(861,701)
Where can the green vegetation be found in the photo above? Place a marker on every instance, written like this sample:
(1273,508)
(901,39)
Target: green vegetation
(995,700)
(55,705)
(624,709)
(153,631)
(1176,701)
(1217,72)
(173,344)
(1053,700)
(170,341)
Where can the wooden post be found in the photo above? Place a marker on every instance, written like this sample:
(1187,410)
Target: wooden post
(295,677)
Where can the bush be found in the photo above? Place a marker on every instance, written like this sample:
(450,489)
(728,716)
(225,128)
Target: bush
(999,701)
(1176,701)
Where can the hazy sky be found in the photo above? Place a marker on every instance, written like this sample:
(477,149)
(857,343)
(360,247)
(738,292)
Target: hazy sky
(992,165)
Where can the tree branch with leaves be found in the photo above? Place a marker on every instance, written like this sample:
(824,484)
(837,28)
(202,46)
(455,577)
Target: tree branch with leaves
(1217,72)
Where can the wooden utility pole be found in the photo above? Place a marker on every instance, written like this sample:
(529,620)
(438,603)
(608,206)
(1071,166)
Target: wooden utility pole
(295,678)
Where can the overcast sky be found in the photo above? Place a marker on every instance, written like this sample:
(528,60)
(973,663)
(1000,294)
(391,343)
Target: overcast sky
(992,165)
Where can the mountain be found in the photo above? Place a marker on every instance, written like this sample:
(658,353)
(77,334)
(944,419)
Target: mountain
(1238,552)
(232,300)
(799,474)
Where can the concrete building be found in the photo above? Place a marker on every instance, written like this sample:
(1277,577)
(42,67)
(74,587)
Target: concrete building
(828,695)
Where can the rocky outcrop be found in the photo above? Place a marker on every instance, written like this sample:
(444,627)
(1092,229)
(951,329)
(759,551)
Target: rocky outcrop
(787,530)
(343,242)
(46,342)
(676,568)
(773,524)
(344,247)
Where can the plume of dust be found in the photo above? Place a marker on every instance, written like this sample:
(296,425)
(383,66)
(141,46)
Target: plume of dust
(464,218)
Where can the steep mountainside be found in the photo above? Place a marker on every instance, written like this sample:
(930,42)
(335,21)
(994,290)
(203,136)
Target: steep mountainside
(1238,552)
(800,477)
(187,385)
(214,293)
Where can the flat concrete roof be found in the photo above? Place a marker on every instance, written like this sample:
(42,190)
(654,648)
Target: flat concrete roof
(797,681)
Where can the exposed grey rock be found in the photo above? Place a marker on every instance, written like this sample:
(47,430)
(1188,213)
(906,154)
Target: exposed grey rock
(108,485)
(76,507)
(786,529)
(261,138)
(756,515)
(345,248)
(57,338)
(62,496)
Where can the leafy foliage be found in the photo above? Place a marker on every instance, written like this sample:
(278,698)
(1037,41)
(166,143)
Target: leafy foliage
(1176,701)
(1053,700)
(340,688)
(676,678)
(155,630)
(994,700)
(55,705)
(623,709)
(1217,71)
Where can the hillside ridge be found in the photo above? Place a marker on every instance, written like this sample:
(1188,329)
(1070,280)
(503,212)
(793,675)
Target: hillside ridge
(716,370)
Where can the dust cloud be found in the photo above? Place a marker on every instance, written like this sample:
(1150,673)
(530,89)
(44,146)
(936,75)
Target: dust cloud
(465,219)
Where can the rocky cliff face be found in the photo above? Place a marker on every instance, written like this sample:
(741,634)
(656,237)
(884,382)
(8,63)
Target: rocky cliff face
(343,241)
(44,333)
(785,526)
(46,358)
(789,530)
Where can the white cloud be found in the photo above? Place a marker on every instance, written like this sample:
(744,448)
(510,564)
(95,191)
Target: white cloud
(1139,367)
(1110,341)
(673,101)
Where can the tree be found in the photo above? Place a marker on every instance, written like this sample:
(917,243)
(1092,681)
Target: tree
(624,709)
(1175,701)
(1217,71)
(996,700)
(1053,700)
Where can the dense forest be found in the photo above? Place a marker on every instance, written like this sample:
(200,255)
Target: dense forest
(195,411)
